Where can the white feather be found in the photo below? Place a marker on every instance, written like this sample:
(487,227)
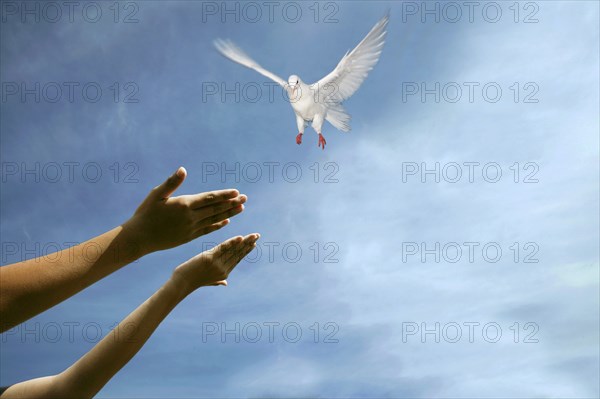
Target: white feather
(338,117)
(354,67)
(236,54)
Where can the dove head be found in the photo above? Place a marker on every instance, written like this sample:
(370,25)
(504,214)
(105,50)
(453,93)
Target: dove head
(294,81)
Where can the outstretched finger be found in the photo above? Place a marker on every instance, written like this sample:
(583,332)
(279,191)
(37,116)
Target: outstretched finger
(211,197)
(224,250)
(169,186)
(210,228)
(221,216)
(219,207)
(245,247)
(222,282)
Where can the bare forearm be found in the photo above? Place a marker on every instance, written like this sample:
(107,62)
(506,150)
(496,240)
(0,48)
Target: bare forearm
(86,377)
(101,363)
(33,286)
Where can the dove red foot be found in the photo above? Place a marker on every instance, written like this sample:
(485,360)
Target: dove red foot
(299,139)
(322,141)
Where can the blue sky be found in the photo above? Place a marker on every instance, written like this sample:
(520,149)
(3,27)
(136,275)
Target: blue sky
(369,220)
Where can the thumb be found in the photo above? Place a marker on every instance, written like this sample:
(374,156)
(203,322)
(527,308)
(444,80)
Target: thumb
(170,185)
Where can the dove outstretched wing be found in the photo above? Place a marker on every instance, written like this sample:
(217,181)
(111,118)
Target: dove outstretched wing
(354,67)
(228,49)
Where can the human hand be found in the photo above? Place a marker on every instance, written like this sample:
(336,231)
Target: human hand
(163,222)
(212,267)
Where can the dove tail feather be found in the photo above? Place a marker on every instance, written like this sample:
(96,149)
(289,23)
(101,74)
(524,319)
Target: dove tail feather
(338,117)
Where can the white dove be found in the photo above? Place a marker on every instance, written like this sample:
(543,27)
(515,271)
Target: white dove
(322,100)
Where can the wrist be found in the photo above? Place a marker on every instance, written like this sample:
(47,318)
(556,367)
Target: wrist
(133,231)
(179,286)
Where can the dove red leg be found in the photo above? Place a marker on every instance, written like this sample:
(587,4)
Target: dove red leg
(317,124)
(301,123)
(322,141)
